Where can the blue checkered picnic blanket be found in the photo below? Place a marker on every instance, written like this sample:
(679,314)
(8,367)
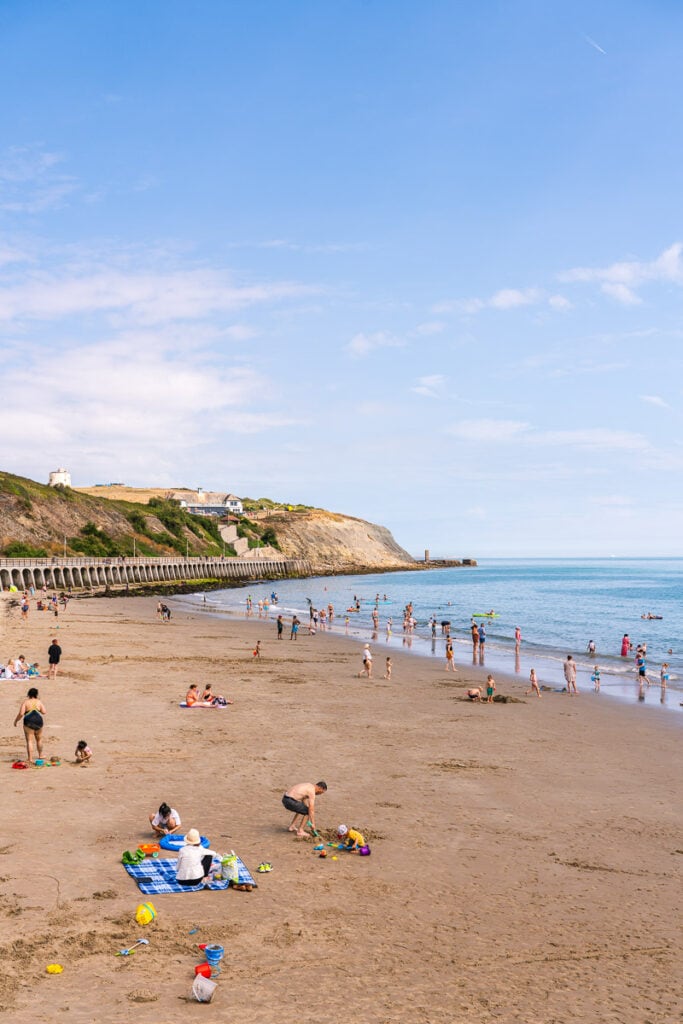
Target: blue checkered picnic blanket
(156,877)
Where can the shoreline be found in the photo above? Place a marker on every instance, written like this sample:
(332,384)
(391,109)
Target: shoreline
(534,840)
(614,686)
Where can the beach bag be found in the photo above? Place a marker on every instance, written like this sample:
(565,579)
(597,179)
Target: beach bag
(229,869)
(132,858)
(145,913)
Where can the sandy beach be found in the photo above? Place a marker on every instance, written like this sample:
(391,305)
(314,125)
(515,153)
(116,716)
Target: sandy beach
(526,857)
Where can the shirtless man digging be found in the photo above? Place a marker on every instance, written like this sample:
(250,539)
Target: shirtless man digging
(301,800)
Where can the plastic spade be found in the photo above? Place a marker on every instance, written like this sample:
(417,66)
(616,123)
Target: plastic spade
(130,950)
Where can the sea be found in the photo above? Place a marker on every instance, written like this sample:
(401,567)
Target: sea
(560,605)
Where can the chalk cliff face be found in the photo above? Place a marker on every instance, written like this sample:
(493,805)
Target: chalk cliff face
(336,543)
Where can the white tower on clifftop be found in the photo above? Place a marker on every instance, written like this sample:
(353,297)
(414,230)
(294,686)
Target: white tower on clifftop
(60,477)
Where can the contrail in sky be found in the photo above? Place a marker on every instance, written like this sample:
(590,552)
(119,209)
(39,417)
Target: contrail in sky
(594,44)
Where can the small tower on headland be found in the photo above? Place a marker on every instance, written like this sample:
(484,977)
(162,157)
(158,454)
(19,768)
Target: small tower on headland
(60,478)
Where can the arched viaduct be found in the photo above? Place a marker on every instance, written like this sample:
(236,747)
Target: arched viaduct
(116,573)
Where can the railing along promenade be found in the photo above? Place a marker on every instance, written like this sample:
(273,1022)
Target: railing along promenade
(91,573)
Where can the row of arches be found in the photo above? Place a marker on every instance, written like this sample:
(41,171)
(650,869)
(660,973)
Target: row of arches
(94,574)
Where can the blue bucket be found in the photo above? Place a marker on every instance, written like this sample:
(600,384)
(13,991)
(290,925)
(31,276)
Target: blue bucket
(214,955)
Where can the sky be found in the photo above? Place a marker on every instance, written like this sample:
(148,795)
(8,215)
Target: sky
(415,261)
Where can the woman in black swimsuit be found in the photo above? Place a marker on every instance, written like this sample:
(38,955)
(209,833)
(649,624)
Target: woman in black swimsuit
(32,711)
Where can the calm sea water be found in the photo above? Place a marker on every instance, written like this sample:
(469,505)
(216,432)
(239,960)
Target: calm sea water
(560,605)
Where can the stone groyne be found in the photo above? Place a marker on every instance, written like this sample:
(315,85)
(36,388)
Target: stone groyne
(117,573)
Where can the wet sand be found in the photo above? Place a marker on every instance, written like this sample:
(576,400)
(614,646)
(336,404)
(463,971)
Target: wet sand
(526,860)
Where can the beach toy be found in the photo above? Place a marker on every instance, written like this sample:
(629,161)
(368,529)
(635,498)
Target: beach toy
(203,989)
(202,946)
(203,969)
(20,764)
(149,848)
(131,949)
(145,913)
(320,847)
(40,761)
(364,851)
(323,853)
(264,867)
(54,968)
(335,858)
(214,954)
(174,842)
(193,931)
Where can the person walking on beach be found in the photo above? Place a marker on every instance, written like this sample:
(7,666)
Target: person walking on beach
(54,656)
(387,669)
(490,689)
(301,800)
(33,712)
(280,627)
(535,688)
(295,628)
(367,662)
(450,661)
(570,674)
(595,678)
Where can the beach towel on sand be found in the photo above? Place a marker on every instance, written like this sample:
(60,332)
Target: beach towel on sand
(207,707)
(156,877)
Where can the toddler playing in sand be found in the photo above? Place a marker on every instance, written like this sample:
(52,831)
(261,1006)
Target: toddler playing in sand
(350,838)
(83,753)
(535,688)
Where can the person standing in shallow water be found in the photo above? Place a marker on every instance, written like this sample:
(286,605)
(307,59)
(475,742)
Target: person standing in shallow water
(626,646)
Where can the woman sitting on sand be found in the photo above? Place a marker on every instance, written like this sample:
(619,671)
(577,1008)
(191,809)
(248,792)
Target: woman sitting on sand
(32,711)
(192,696)
(214,699)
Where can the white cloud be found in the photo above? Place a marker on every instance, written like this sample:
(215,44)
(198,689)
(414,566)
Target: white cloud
(620,280)
(429,328)
(30,182)
(485,430)
(559,302)
(503,299)
(511,298)
(655,400)
(429,386)
(362,344)
(595,438)
(145,296)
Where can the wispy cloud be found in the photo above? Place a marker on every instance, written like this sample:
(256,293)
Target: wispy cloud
(503,299)
(621,280)
(596,46)
(30,181)
(363,344)
(486,430)
(520,432)
(312,247)
(655,400)
(430,386)
(145,296)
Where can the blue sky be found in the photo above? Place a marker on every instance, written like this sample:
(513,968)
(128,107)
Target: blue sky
(416,262)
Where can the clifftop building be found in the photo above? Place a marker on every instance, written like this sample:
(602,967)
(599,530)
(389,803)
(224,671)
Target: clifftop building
(60,478)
